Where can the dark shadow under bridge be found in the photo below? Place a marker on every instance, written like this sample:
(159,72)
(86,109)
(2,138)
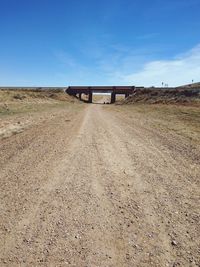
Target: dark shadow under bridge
(89,90)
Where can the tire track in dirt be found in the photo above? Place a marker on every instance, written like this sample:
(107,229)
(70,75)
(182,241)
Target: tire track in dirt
(109,194)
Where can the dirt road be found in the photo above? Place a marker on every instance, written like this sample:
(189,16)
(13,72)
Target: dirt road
(100,188)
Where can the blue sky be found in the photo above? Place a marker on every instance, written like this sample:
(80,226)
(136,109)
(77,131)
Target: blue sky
(93,42)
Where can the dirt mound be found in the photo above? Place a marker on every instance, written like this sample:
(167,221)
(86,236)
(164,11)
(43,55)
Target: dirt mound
(10,95)
(15,101)
(192,85)
(165,96)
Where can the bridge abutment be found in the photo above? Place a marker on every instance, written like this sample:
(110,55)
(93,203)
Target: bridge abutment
(113,97)
(90,97)
(126,95)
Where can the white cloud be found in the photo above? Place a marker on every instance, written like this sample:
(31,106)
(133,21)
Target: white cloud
(180,70)
(135,67)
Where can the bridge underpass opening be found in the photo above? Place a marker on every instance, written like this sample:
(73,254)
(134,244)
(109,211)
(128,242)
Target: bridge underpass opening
(105,98)
(89,92)
(101,98)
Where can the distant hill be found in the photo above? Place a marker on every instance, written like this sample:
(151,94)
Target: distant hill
(191,85)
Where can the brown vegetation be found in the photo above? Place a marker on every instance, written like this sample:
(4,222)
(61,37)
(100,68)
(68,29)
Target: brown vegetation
(165,96)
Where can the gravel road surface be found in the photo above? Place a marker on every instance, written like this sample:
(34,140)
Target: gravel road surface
(98,188)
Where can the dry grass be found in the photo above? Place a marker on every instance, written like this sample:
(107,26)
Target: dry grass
(184,120)
(13,95)
(21,109)
(165,96)
(23,101)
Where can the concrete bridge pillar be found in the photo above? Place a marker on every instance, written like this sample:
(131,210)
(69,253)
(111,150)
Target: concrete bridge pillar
(113,97)
(90,97)
(126,95)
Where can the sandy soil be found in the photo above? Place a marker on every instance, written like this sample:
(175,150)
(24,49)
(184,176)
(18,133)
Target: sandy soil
(99,187)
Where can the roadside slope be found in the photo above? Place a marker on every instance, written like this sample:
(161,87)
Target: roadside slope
(21,109)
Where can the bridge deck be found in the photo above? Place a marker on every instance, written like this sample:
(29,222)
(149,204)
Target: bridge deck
(100,89)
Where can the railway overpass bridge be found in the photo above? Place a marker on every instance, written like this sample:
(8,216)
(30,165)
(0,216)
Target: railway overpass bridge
(89,90)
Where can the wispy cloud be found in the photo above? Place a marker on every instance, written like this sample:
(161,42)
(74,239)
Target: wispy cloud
(122,65)
(180,70)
